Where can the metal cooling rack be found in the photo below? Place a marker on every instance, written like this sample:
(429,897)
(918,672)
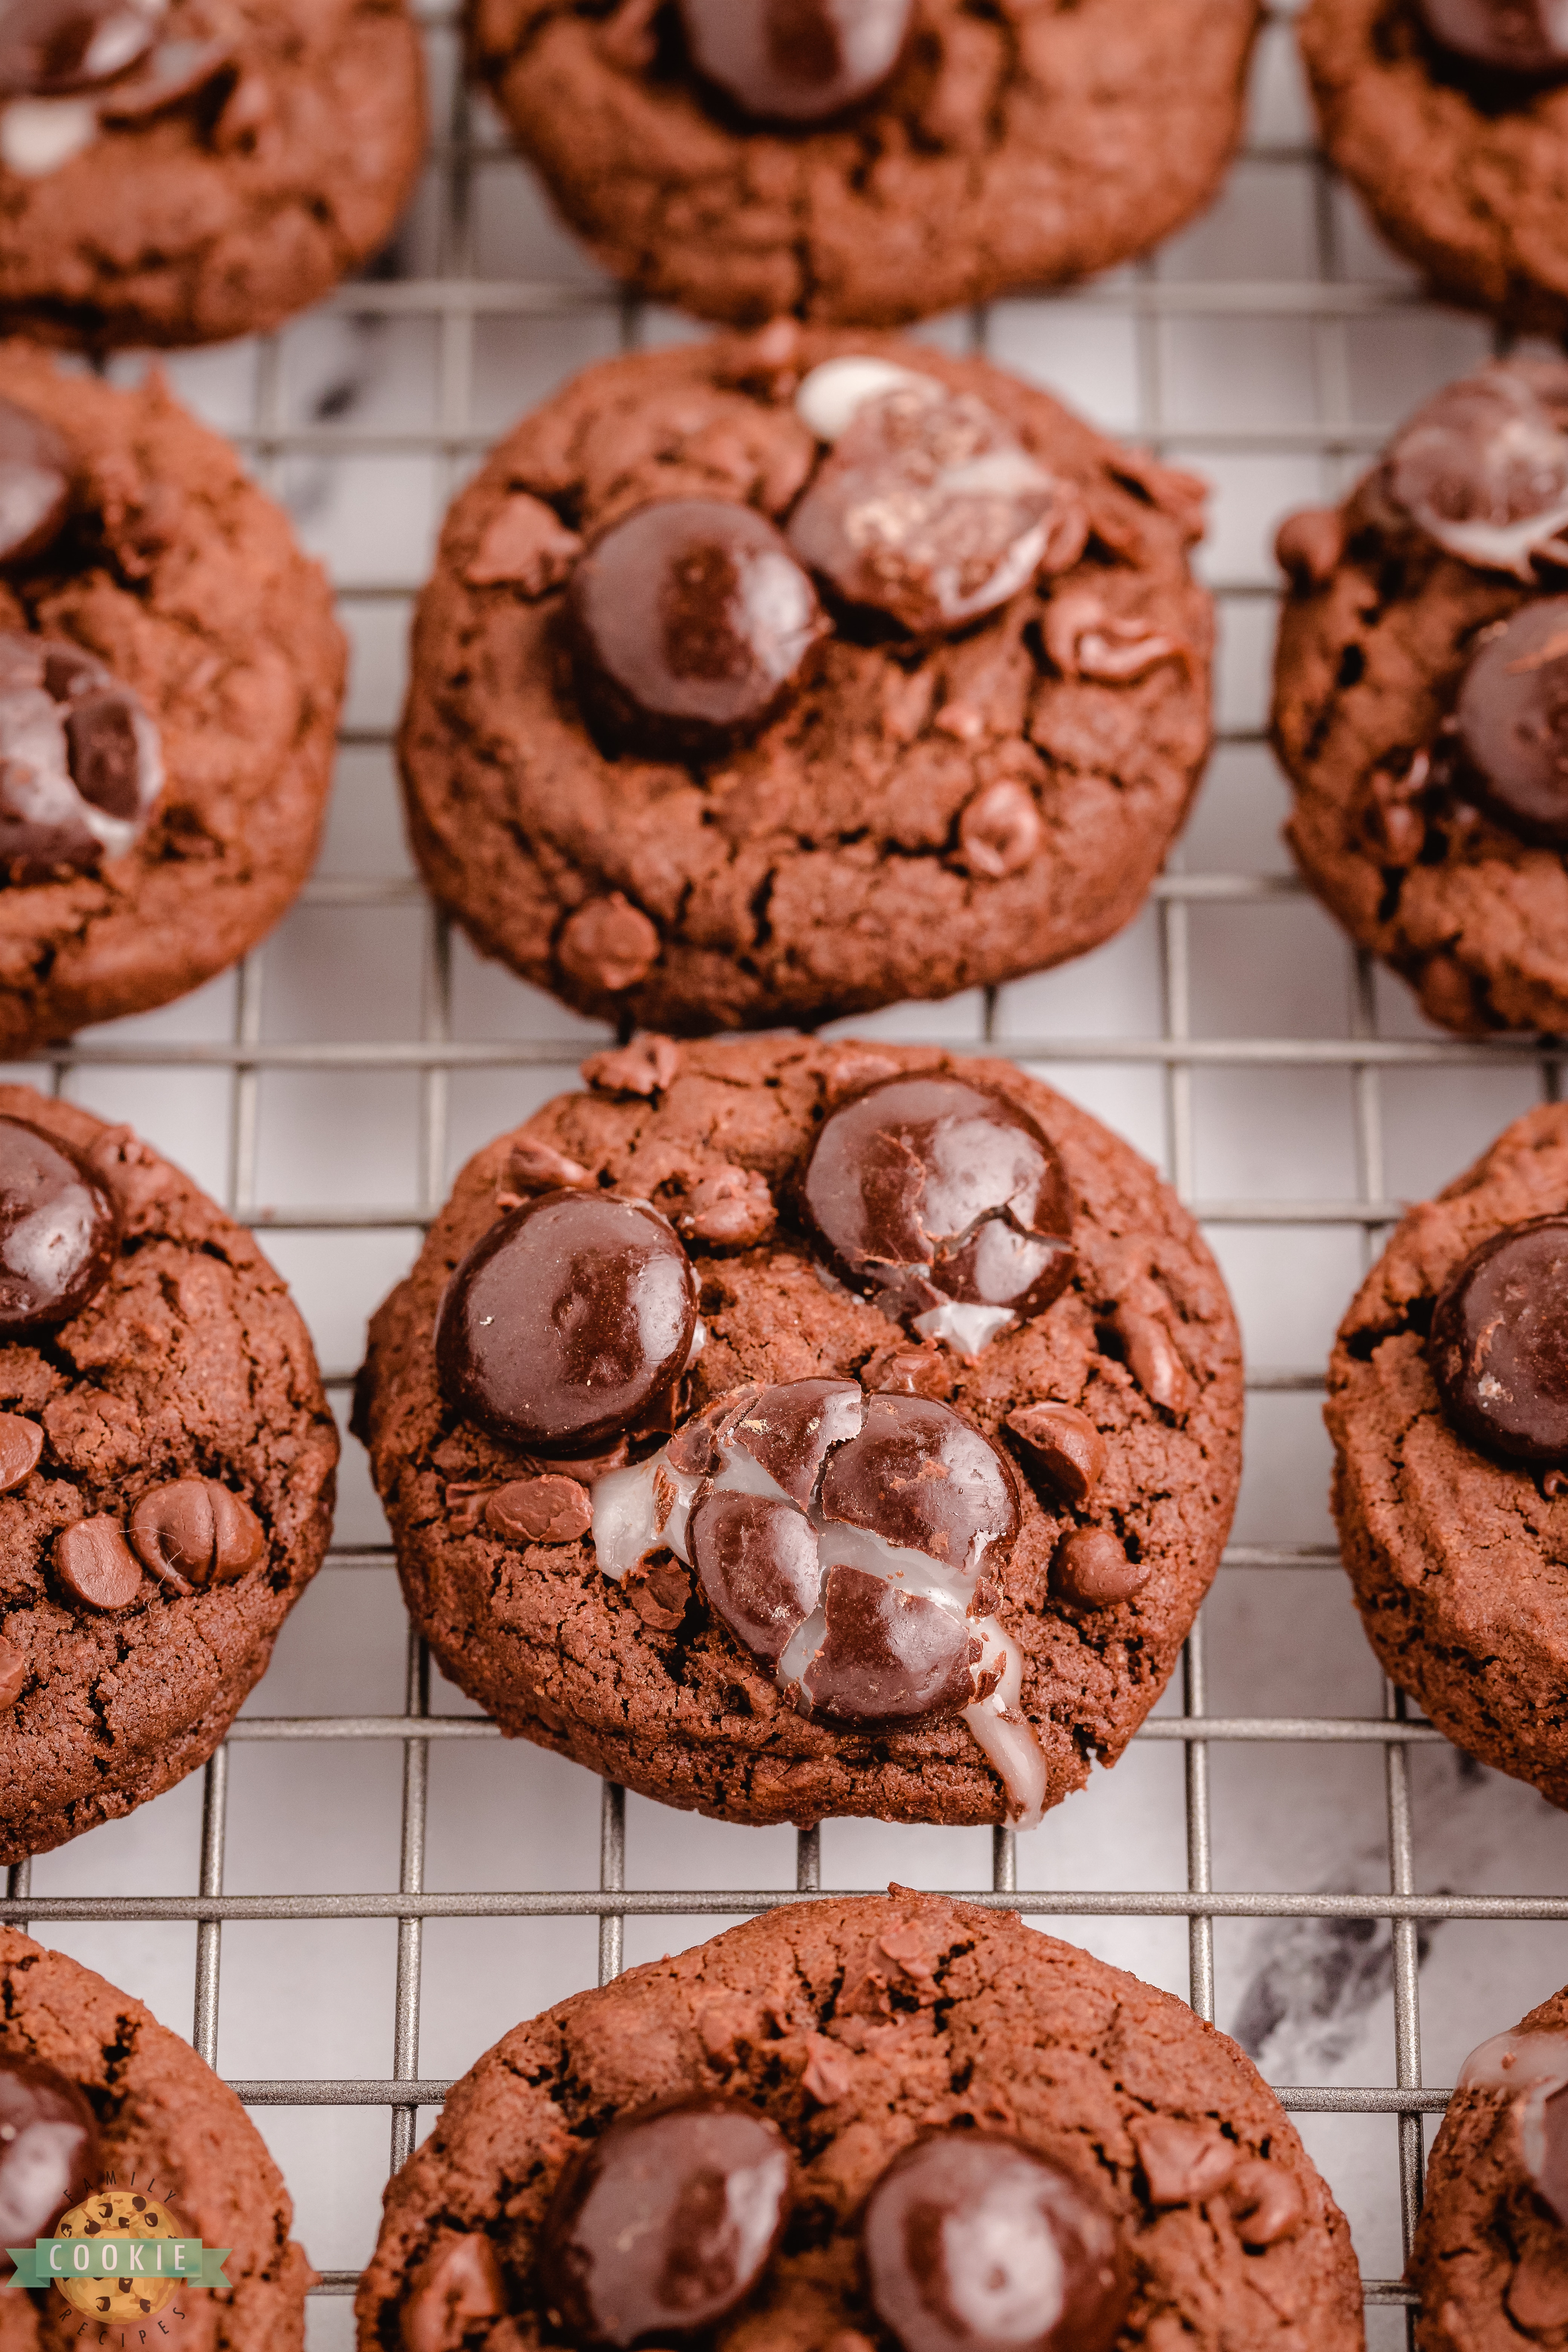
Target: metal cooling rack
(455,299)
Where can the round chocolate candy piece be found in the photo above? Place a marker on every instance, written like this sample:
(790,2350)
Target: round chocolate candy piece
(80,765)
(973,2243)
(59,1230)
(691,621)
(1512,716)
(886,1655)
(928,510)
(49,48)
(1482,467)
(757,1563)
(1525,36)
(928,1189)
(34,483)
(666,2223)
(797,60)
(1498,1348)
(195,1531)
(567,1322)
(923,1478)
(49,2148)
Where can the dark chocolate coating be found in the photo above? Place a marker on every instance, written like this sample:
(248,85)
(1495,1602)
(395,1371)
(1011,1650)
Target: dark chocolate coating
(1514,34)
(973,2243)
(1498,1348)
(790,1430)
(795,60)
(887,1656)
(1487,453)
(926,1189)
(34,483)
(757,1563)
(81,767)
(567,1322)
(666,2223)
(49,2149)
(691,622)
(923,1477)
(1513,722)
(59,1230)
(49,48)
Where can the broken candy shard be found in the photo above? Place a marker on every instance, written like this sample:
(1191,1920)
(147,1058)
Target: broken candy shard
(789,1430)
(887,1656)
(923,1477)
(757,1563)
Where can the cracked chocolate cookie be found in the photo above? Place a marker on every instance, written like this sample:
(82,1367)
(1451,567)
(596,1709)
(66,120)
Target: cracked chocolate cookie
(768,679)
(1449,1409)
(1421,700)
(166,1467)
(788,1429)
(1490,2257)
(181,171)
(1450,118)
(170,680)
(102,2106)
(894,2121)
(866,164)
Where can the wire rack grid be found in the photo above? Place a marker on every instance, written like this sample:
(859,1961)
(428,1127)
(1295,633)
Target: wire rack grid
(1321,300)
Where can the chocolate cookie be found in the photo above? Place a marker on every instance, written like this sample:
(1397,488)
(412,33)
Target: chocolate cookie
(1450,118)
(790,1430)
(182,171)
(1421,700)
(1449,1409)
(765,679)
(1490,2257)
(169,679)
(100,2106)
(166,1467)
(927,2125)
(869,164)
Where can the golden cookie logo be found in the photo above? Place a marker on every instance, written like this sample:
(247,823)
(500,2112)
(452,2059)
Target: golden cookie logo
(120,2258)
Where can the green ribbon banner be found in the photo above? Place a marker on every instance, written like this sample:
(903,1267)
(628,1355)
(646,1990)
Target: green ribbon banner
(51,2262)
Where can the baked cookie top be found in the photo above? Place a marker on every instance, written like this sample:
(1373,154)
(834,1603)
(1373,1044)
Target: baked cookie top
(1041,1414)
(860,2031)
(930,157)
(166,1471)
(956,749)
(181,171)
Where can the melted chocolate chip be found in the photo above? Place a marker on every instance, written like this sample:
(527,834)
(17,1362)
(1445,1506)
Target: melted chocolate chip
(567,1322)
(1523,36)
(666,2222)
(921,1476)
(887,1656)
(195,1531)
(973,2243)
(456,2285)
(1063,1444)
(59,1230)
(1482,467)
(34,483)
(1498,1348)
(690,621)
(49,48)
(928,510)
(80,765)
(1513,722)
(757,1563)
(97,1566)
(49,2148)
(21,1443)
(928,1189)
(797,60)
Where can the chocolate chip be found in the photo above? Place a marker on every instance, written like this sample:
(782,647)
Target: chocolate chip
(934,1194)
(795,60)
(887,1656)
(1512,714)
(1091,1570)
(535,1167)
(1000,830)
(525,546)
(1182,2163)
(80,764)
(607,945)
(96,1565)
(665,2223)
(970,2238)
(34,483)
(456,2285)
(567,1322)
(1309,546)
(659,1590)
(59,1230)
(1063,1443)
(49,48)
(1086,640)
(547,1510)
(1482,467)
(1152,1357)
(757,1563)
(691,622)
(1265,2201)
(13,1672)
(732,1208)
(1498,1348)
(901,1370)
(49,2147)
(921,1476)
(195,1531)
(1524,36)
(21,1443)
(170,74)
(929,511)
(647,1067)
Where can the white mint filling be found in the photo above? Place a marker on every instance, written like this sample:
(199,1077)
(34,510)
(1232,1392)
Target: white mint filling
(39,134)
(831,397)
(968,1328)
